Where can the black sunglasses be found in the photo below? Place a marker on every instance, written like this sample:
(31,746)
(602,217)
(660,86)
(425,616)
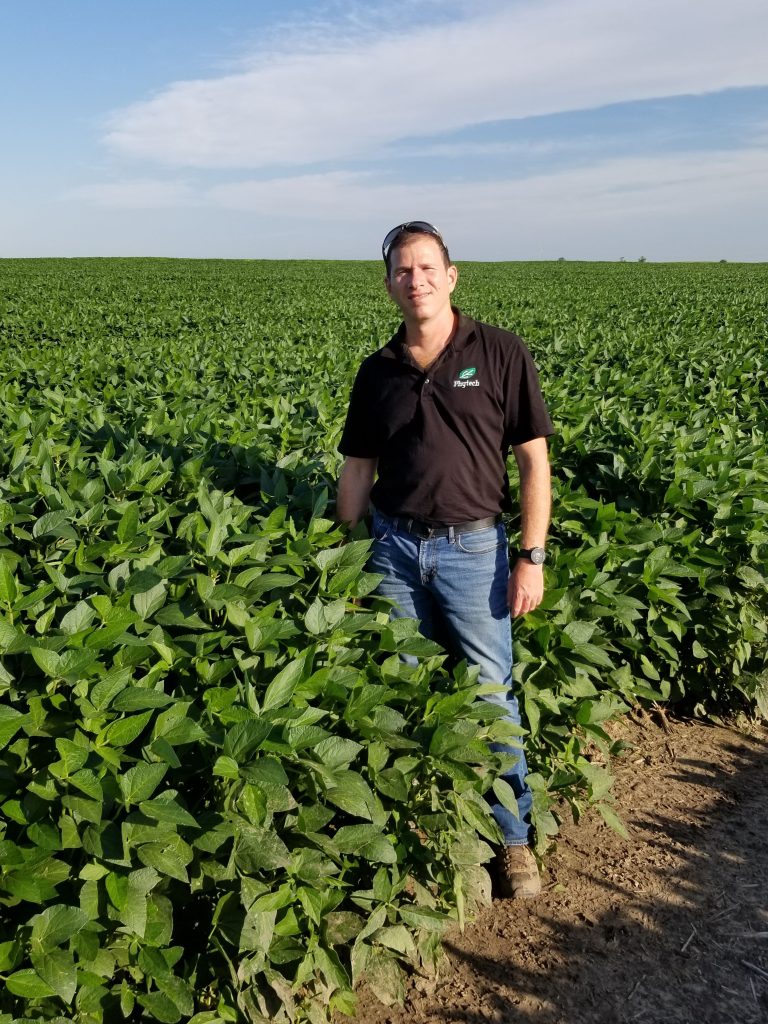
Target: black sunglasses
(414,227)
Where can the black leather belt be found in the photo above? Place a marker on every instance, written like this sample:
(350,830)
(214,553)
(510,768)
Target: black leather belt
(426,531)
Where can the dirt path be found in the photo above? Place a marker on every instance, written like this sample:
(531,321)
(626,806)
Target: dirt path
(670,926)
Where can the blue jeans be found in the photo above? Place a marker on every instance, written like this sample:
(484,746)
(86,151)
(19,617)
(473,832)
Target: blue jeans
(457,587)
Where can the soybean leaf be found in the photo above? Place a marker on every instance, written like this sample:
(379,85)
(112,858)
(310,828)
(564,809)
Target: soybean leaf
(137,698)
(281,688)
(352,794)
(611,818)
(140,782)
(169,858)
(423,917)
(8,590)
(506,796)
(167,809)
(56,925)
(28,984)
(11,721)
(260,850)
(57,969)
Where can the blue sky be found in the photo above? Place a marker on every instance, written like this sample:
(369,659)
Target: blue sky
(525,129)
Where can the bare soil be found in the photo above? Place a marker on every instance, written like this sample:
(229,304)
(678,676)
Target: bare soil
(669,926)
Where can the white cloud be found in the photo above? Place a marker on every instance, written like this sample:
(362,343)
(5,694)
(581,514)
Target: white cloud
(474,150)
(657,197)
(611,187)
(668,205)
(137,194)
(335,99)
(317,196)
(695,206)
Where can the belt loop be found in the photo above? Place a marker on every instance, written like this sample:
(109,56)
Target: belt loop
(451,534)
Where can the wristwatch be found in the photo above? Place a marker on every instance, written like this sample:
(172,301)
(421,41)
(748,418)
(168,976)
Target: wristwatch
(535,555)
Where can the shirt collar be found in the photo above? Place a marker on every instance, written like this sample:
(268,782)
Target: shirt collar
(465,330)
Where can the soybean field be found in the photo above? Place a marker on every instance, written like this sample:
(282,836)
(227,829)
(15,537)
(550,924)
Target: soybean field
(223,796)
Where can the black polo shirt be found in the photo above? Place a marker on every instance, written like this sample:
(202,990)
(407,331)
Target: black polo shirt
(442,435)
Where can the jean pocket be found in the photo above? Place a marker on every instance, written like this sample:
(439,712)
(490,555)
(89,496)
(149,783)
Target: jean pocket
(480,542)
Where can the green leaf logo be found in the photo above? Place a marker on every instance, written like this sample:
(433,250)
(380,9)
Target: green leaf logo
(469,372)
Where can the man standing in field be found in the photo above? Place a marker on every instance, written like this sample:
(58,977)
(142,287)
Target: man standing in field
(431,419)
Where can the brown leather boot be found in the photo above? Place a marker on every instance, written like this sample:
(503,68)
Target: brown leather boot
(517,874)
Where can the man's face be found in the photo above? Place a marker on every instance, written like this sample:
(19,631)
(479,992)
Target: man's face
(419,281)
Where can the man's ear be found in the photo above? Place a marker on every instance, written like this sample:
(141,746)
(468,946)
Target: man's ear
(453,276)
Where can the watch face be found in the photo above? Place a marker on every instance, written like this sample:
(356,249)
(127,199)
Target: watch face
(538,555)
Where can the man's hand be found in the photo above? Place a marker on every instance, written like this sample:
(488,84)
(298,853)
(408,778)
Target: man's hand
(525,589)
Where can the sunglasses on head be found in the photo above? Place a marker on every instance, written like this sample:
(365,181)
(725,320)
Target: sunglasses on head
(413,227)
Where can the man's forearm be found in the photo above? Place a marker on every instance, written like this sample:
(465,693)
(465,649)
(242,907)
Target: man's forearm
(526,581)
(355,483)
(535,492)
(535,508)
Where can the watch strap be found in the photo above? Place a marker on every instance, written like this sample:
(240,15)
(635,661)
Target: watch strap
(527,554)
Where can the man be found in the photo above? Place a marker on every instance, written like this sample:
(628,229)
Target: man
(430,422)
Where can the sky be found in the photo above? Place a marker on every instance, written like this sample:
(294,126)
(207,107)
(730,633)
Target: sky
(523,129)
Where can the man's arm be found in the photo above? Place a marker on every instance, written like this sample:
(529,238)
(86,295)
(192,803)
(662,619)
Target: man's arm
(526,581)
(355,483)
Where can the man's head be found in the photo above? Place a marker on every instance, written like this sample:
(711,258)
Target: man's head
(420,276)
(395,238)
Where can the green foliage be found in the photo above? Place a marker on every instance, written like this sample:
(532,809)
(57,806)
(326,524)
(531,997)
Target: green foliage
(222,795)
(241,797)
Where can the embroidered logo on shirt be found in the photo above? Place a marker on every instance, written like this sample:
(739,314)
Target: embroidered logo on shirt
(463,379)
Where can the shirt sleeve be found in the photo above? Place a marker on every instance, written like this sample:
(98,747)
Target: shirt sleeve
(525,412)
(359,438)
